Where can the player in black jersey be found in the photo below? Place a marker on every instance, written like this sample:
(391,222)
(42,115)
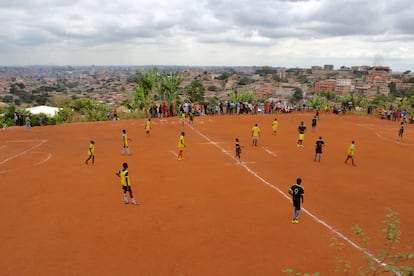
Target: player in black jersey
(297,192)
(238,150)
(318,149)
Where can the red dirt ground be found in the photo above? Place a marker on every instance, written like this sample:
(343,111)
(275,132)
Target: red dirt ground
(205,215)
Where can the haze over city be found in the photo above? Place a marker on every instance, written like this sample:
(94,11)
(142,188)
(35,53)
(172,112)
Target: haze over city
(287,33)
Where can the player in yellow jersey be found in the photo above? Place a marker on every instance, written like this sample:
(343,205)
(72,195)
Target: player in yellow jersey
(91,153)
(275,125)
(148,127)
(350,154)
(255,135)
(123,174)
(181,146)
(125,145)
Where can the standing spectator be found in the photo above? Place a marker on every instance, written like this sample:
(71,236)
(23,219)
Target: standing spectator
(275,125)
(91,153)
(238,150)
(181,146)
(297,192)
(123,174)
(301,130)
(318,149)
(350,154)
(191,116)
(125,145)
(27,124)
(148,127)
(401,131)
(255,135)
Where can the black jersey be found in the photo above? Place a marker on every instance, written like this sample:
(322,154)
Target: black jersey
(314,122)
(238,148)
(302,129)
(319,145)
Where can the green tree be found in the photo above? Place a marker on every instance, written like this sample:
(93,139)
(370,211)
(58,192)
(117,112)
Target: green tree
(297,95)
(316,101)
(170,86)
(147,86)
(195,91)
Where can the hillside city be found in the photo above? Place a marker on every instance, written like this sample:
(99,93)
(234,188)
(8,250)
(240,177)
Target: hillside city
(113,85)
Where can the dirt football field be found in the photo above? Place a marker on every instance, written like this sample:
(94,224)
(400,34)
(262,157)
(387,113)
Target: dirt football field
(207,214)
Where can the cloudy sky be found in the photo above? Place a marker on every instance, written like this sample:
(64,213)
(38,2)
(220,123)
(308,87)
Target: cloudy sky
(289,33)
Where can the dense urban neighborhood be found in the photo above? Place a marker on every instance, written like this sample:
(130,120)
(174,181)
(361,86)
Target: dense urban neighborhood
(142,88)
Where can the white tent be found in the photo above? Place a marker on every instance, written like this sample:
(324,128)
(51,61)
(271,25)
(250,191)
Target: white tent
(47,110)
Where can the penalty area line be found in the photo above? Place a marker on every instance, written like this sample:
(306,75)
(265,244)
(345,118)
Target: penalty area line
(314,217)
(23,152)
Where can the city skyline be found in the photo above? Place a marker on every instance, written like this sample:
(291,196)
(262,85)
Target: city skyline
(286,33)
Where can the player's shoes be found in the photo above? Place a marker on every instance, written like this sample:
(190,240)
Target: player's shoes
(126,200)
(296,221)
(180,158)
(134,202)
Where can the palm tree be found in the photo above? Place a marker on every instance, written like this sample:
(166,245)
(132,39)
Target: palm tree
(148,87)
(169,86)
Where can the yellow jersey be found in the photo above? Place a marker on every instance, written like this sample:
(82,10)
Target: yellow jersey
(275,124)
(181,144)
(351,149)
(91,149)
(148,125)
(255,131)
(125,140)
(123,174)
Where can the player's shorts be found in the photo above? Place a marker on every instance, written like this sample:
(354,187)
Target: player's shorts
(301,137)
(296,203)
(318,151)
(256,138)
(126,188)
(238,151)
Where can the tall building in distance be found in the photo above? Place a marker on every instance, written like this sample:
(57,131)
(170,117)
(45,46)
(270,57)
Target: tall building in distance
(328,67)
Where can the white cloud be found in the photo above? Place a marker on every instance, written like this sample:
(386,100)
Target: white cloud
(210,32)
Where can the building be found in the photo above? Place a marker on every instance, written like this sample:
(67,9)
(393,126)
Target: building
(328,85)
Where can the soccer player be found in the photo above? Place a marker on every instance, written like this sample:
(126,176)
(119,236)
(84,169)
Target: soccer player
(301,130)
(314,120)
(275,125)
(148,127)
(125,146)
(318,149)
(91,153)
(238,150)
(297,192)
(181,146)
(401,131)
(350,154)
(255,135)
(126,183)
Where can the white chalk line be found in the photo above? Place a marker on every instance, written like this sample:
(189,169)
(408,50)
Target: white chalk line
(269,152)
(323,223)
(393,141)
(23,152)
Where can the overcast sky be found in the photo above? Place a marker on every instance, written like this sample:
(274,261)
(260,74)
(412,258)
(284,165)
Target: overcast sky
(289,33)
